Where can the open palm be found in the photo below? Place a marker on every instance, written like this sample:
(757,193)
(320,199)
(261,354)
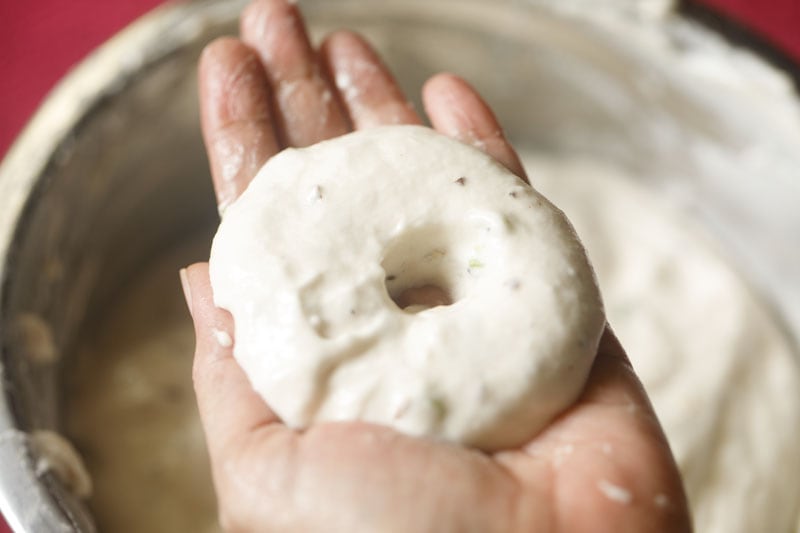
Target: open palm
(603,465)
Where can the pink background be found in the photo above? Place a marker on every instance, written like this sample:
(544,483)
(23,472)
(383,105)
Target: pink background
(41,40)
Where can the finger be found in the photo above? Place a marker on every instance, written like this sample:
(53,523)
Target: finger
(229,407)
(457,110)
(308,111)
(610,441)
(612,380)
(370,94)
(236,116)
(613,397)
(616,412)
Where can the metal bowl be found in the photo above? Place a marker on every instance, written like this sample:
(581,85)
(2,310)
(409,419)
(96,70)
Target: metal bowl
(111,172)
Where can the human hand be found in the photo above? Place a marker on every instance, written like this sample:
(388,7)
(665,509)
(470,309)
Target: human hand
(603,465)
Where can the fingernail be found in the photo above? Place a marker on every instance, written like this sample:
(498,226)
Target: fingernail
(187,289)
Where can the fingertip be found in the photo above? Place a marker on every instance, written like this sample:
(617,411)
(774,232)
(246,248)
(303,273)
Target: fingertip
(236,115)
(366,87)
(338,43)
(187,289)
(220,47)
(345,42)
(196,274)
(275,29)
(253,20)
(233,85)
(456,109)
(207,317)
(218,60)
(439,78)
(250,14)
(440,88)
(307,113)
(340,37)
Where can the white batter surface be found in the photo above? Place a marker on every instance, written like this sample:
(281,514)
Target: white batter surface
(131,410)
(315,258)
(720,373)
(722,377)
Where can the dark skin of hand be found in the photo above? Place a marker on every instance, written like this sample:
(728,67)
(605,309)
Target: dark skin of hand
(270,89)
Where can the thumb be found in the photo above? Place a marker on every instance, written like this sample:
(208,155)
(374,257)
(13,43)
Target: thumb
(229,407)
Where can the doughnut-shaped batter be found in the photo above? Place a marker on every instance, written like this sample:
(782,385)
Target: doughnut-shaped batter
(333,258)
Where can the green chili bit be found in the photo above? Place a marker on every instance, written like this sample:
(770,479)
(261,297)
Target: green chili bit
(439,407)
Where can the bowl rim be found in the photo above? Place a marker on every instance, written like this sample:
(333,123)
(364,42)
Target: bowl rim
(105,71)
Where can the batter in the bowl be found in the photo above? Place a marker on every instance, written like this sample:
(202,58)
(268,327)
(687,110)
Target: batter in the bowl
(719,371)
(722,378)
(131,410)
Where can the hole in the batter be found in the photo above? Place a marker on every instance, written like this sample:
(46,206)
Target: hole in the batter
(428,267)
(415,299)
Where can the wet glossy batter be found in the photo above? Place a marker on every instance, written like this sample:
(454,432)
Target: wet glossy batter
(132,412)
(719,371)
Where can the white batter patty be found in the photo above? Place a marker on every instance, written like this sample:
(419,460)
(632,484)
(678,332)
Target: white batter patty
(317,257)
